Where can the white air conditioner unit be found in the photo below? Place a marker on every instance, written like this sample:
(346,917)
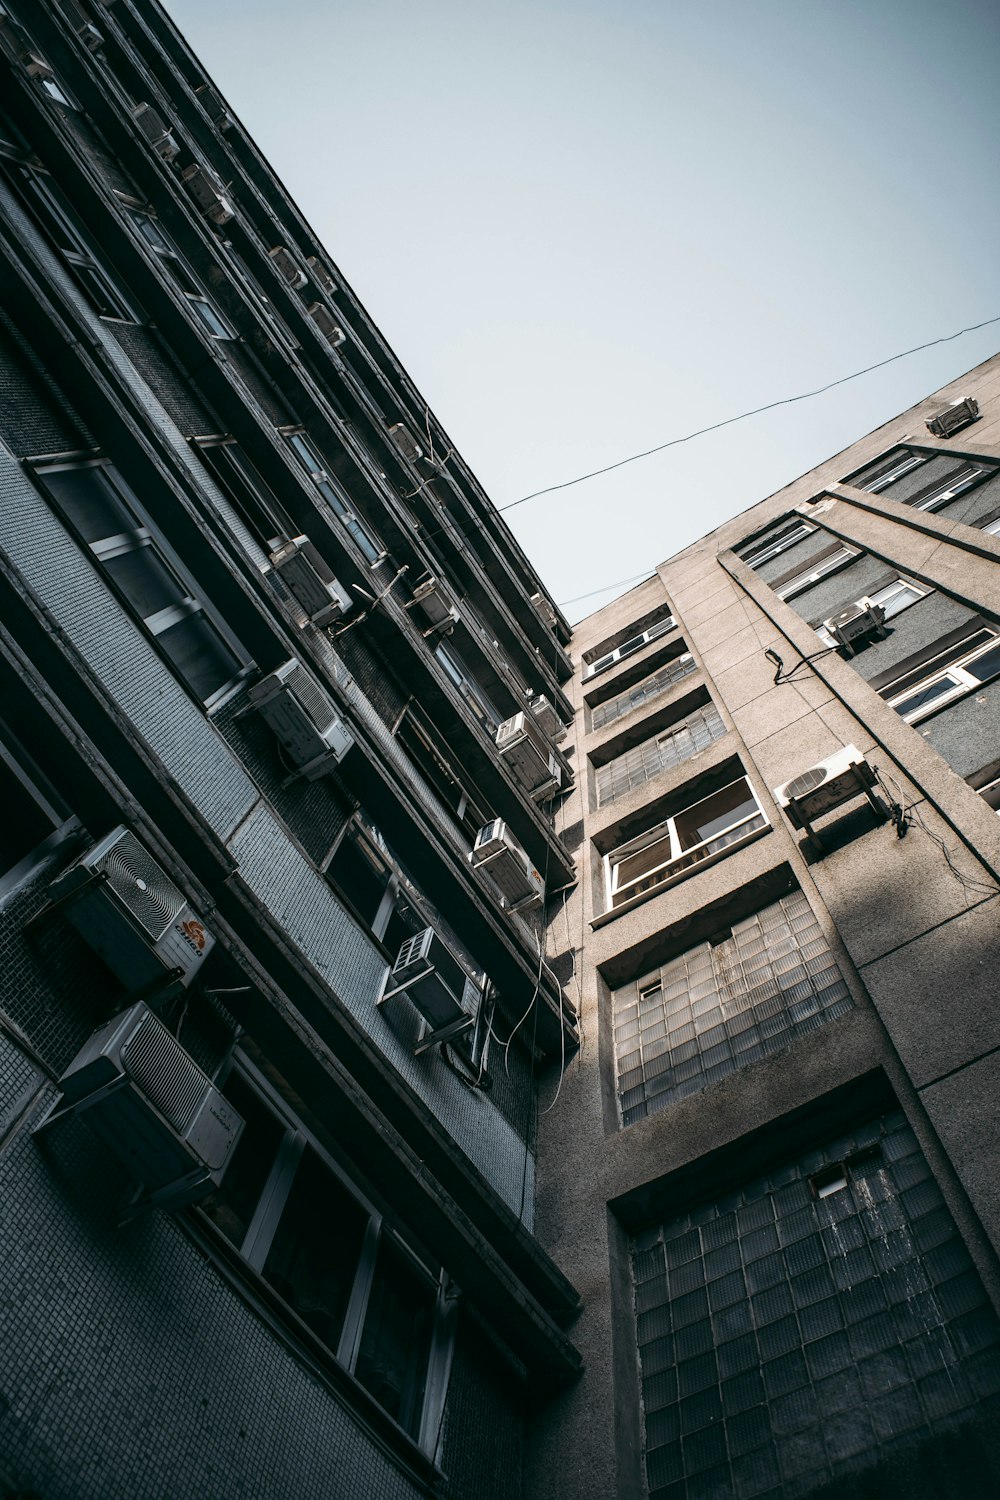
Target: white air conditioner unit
(320,274)
(547,719)
(311,581)
(497,851)
(156,131)
(545,609)
(150,1103)
(128,909)
(434,981)
(288,267)
(434,600)
(953,417)
(860,619)
(825,786)
(327,324)
(211,102)
(404,440)
(529,755)
(304,718)
(209,192)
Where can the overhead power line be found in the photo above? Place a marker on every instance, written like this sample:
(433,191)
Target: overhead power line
(742,417)
(622,583)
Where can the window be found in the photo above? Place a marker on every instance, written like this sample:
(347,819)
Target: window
(179,274)
(256,502)
(469,688)
(428,753)
(818,570)
(993,527)
(104,514)
(940,682)
(762,551)
(310,460)
(724,1004)
(650,687)
(633,644)
(886,470)
(674,745)
(340,1270)
(893,598)
(948,489)
(680,844)
(35,818)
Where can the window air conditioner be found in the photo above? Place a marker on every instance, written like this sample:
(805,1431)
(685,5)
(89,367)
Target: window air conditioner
(430,975)
(532,760)
(547,719)
(302,715)
(497,851)
(825,786)
(436,604)
(860,619)
(288,267)
(544,607)
(147,1100)
(209,192)
(211,102)
(130,912)
(953,417)
(327,324)
(404,440)
(310,580)
(155,131)
(320,274)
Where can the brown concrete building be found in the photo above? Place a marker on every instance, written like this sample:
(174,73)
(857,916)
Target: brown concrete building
(771,1168)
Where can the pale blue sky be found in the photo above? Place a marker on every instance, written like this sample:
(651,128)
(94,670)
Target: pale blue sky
(588,227)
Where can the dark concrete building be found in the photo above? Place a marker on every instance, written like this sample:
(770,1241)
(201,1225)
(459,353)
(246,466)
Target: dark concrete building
(442,1053)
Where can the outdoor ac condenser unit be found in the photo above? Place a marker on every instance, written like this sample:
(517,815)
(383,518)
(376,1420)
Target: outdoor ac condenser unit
(128,909)
(209,192)
(525,749)
(434,601)
(327,324)
(288,267)
(405,442)
(497,851)
(953,417)
(310,579)
(304,718)
(320,274)
(858,620)
(544,608)
(434,981)
(154,129)
(547,719)
(147,1100)
(211,102)
(825,786)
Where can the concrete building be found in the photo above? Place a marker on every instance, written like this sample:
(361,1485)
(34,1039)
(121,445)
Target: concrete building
(399,1095)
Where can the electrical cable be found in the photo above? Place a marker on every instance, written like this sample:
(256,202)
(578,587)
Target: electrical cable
(781,675)
(742,416)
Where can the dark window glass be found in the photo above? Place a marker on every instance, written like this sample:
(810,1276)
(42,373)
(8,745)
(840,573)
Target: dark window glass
(395,1344)
(146,583)
(200,655)
(232,1205)
(360,873)
(93,507)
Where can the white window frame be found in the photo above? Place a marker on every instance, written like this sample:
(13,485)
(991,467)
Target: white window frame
(886,597)
(992,528)
(826,565)
(895,471)
(960,682)
(667,835)
(629,647)
(950,489)
(757,555)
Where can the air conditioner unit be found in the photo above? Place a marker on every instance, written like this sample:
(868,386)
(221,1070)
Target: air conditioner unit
(304,718)
(288,267)
(209,192)
(547,719)
(155,131)
(147,1100)
(953,417)
(434,981)
(497,851)
(404,440)
(130,912)
(311,581)
(320,274)
(436,604)
(85,28)
(544,607)
(825,786)
(532,760)
(211,102)
(860,619)
(327,324)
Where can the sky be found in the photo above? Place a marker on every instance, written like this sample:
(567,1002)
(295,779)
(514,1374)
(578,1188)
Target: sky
(589,226)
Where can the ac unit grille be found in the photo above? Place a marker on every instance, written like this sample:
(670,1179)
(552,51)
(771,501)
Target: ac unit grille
(312,697)
(164,1072)
(413,951)
(140,884)
(802,785)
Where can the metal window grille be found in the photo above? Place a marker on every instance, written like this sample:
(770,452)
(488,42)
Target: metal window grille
(672,747)
(650,687)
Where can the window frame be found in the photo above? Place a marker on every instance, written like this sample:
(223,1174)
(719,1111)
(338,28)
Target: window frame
(824,567)
(962,683)
(965,479)
(336,498)
(758,553)
(889,476)
(900,584)
(180,276)
(455,669)
(262,1229)
(630,647)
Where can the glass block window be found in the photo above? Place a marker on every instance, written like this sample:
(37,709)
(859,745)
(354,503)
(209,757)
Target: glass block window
(674,745)
(650,687)
(808,1325)
(723,1005)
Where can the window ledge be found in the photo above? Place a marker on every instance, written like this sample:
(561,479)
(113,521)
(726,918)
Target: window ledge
(687,874)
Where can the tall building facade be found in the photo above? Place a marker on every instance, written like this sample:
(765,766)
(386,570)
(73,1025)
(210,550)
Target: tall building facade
(442,1053)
